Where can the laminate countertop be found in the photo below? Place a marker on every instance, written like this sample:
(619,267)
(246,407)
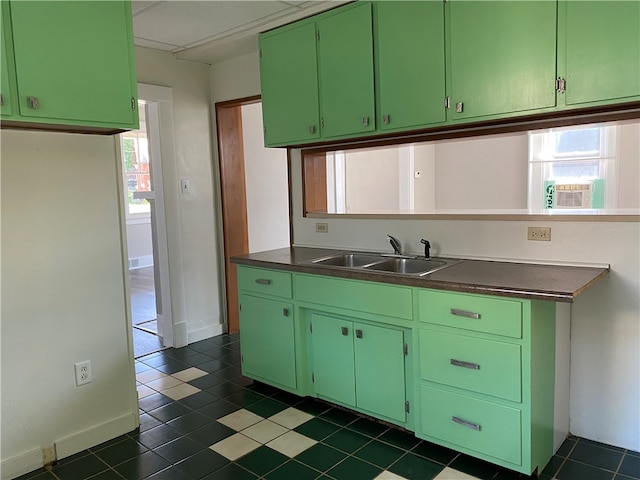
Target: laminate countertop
(557,283)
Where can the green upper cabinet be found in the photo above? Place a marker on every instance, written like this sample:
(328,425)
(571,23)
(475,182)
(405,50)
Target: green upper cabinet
(501,58)
(289,83)
(409,55)
(7,87)
(345,63)
(600,45)
(74,64)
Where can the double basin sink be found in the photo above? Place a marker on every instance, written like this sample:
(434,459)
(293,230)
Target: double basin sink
(399,264)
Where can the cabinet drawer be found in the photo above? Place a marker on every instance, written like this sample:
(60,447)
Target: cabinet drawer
(370,297)
(471,312)
(484,366)
(481,426)
(260,280)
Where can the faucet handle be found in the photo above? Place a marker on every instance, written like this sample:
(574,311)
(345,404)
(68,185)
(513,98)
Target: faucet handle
(427,246)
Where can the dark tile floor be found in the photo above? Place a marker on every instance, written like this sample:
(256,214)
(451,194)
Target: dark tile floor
(201,419)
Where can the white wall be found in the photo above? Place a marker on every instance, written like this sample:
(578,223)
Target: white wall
(191,219)
(605,367)
(267,186)
(139,244)
(62,297)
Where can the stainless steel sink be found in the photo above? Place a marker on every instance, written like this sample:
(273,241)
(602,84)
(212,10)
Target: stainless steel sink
(384,263)
(348,260)
(409,266)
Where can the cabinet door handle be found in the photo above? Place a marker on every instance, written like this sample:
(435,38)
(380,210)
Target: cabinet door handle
(386,119)
(33,102)
(460,363)
(459,107)
(345,331)
(465,423)
(312,129)
(1,100)
(358,333)
(285,312)
(463,313)
(365,121)
(263,281)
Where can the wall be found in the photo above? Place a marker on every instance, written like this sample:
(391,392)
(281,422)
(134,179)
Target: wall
(191,221)
(267,186)
(62,297)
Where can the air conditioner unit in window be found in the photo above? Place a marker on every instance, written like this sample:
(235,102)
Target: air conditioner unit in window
(584,194)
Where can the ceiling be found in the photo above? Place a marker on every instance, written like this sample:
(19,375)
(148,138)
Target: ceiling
(210,31)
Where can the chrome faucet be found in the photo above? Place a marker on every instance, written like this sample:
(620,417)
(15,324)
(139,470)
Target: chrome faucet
(395,243)
(427,246)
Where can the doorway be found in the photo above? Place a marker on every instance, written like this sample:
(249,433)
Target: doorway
(254,184)
(146,237)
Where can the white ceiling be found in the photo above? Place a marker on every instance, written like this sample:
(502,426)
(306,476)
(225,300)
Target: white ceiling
(210,31)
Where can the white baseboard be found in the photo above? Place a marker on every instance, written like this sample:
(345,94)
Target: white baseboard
(206,332)
(21,464)
(96,435)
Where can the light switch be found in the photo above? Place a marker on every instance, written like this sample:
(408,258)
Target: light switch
(185,186)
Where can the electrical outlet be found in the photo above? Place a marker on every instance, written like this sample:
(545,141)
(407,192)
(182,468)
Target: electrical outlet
(539,233)
(322,228)
(83,372)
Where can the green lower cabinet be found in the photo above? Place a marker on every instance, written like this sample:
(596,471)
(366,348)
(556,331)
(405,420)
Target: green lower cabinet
(268,341)
(359,365)
(485,377)
(478,425)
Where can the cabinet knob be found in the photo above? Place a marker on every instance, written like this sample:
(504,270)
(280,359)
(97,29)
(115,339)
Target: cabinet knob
(345,331)
(312,129)
(365,121)
(386,119)
(285,312)
(459,107)
(33,102)
(358,333)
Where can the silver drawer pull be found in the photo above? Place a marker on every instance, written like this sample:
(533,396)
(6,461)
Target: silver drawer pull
(263,281)
(464,313)
(464,423)
(460,363)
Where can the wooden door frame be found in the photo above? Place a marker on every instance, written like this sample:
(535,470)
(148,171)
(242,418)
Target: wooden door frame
(233,197)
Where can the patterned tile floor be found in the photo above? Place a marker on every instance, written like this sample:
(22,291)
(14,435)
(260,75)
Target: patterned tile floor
(201,419)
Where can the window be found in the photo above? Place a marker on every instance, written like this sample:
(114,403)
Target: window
(573,168)
(135,168)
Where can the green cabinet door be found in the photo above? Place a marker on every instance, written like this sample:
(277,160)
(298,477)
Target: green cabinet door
(333,367)
(501,57)
(289,84)
(359,365)
(380,374)
(602,42)
(268,340)
(74,62)
(409,46)
(345,55)
(6,81)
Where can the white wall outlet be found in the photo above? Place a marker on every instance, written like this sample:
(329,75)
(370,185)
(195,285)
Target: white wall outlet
(322,228)
(539,233)
(83,372)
